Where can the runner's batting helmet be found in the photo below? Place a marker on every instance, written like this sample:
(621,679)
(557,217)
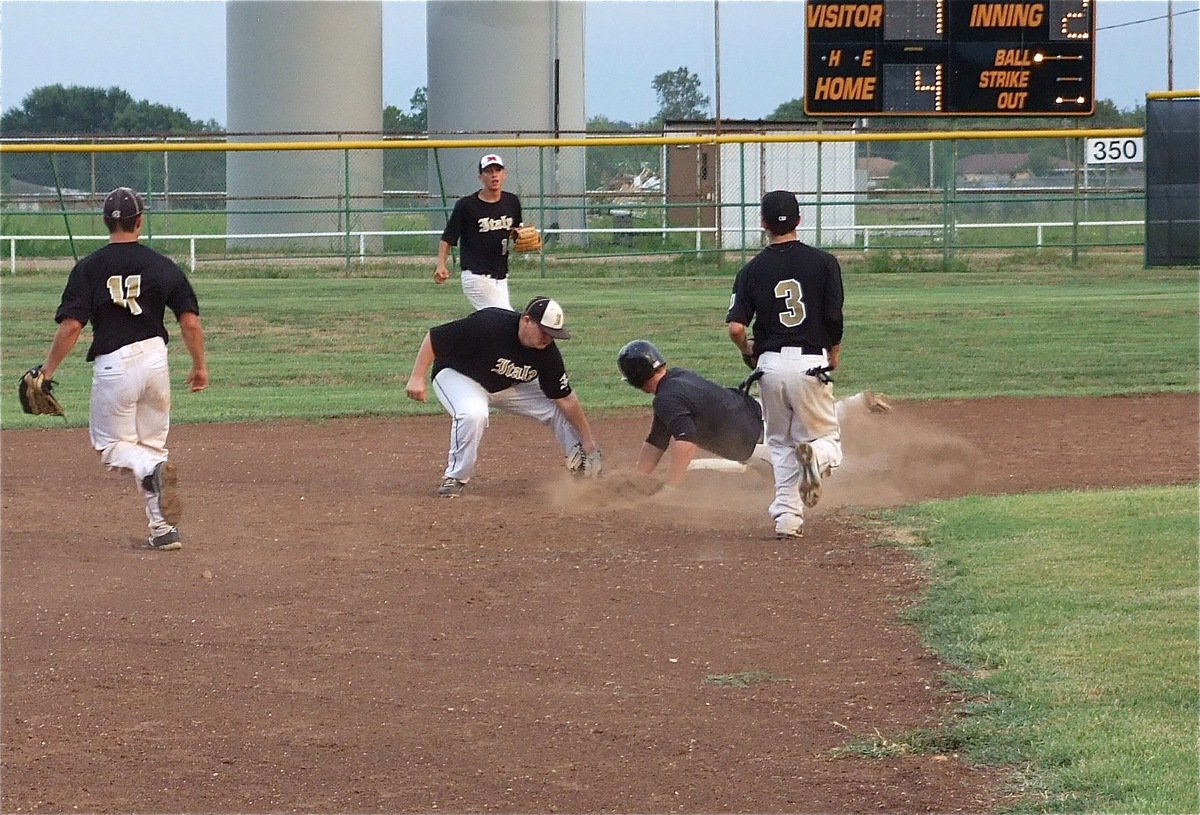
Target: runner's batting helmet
(638,361)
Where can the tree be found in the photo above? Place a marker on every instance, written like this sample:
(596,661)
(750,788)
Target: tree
(679,95)
(415,121)
(406,169)
(790,111)
(606,164)
(57,110)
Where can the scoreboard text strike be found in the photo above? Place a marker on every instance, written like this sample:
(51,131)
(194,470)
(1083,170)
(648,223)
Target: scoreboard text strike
(958,57)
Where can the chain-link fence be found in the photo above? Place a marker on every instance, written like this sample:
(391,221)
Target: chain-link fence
(692,191)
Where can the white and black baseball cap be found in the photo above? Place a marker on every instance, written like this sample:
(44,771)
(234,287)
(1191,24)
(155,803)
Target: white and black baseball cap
(489,160)
(123,203)
(548,314)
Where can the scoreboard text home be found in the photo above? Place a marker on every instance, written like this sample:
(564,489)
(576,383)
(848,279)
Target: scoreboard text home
(958,57)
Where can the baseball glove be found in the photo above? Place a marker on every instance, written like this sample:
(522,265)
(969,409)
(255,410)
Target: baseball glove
(526,239)
(588,465)
(35,393)
(593,464)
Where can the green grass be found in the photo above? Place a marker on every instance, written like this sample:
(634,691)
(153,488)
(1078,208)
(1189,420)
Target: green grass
(1071,619)
(326,344)
(741,679)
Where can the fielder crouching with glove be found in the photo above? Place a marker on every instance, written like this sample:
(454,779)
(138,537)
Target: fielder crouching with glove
(508,360)
(690,413)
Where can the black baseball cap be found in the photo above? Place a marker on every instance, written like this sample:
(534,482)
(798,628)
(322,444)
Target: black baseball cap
(548,314)
(489,160)
(780,207)
(123,203)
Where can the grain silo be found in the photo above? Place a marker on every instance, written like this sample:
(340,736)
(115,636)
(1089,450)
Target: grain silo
(509,68)
(303,71)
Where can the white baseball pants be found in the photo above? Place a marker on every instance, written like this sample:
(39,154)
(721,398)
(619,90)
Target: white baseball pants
(797,409)
(468,404)
(485,292)
(131,414)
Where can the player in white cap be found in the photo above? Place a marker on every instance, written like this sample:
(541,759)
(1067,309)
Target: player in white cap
(480,225)
(498,358)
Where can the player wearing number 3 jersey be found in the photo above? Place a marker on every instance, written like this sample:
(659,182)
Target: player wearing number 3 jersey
(124,289)
(792,293)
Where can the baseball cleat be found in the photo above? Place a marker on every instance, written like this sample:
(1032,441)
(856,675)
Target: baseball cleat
(877,402)
(166,542)
(789,526)
(810,476)
(451,488)
(164,482)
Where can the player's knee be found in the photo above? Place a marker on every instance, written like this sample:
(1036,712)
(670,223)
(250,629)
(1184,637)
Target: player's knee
(472,417)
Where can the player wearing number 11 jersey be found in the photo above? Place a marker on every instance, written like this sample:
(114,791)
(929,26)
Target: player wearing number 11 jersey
(792,293)
(124,289)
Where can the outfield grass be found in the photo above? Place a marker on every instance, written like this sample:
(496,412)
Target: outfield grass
(315,345)
(1072,621)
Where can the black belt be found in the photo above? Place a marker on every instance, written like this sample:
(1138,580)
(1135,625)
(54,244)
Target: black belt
(485,274)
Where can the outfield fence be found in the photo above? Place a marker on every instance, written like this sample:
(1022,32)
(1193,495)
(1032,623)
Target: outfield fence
(691,194)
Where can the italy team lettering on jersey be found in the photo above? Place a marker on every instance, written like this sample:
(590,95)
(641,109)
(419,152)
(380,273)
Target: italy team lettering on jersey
(483,229)
(793,293)
(484,346)
(124,289)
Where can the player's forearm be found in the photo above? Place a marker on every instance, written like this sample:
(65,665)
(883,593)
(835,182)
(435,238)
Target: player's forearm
(648,458)
(737,335)
(682,453)
(573,410)
(193,338)
(835,355)
(443,253)
(424,358)
(64,340)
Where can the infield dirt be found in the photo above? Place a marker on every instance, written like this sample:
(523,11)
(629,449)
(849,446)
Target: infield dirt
(335,638)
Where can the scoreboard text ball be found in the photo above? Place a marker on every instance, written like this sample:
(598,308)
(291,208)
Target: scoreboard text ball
(956,57)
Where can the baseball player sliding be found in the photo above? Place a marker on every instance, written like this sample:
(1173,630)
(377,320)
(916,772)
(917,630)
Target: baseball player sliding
(690,413)
(693,414)
(499,358)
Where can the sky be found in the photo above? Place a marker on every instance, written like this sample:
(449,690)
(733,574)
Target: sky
(173,53)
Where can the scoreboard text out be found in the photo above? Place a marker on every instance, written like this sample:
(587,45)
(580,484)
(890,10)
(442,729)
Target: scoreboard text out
(957,57)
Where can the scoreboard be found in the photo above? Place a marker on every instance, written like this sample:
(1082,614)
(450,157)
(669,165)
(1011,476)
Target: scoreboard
(949,57)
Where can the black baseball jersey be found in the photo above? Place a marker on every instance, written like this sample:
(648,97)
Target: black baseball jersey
(689,407)
(483,230)
(484,346)
(124,289)
(793,293)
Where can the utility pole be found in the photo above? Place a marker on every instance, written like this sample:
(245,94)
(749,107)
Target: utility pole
(717,112)
(1170,47)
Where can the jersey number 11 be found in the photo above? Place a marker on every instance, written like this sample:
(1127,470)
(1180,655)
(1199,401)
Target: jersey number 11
(125,291)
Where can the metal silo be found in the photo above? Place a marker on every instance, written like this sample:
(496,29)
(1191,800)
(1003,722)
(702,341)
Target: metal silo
(509,68)
(303,71)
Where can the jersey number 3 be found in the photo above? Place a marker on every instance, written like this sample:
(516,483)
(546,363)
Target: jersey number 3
(125,291)
(793,312)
